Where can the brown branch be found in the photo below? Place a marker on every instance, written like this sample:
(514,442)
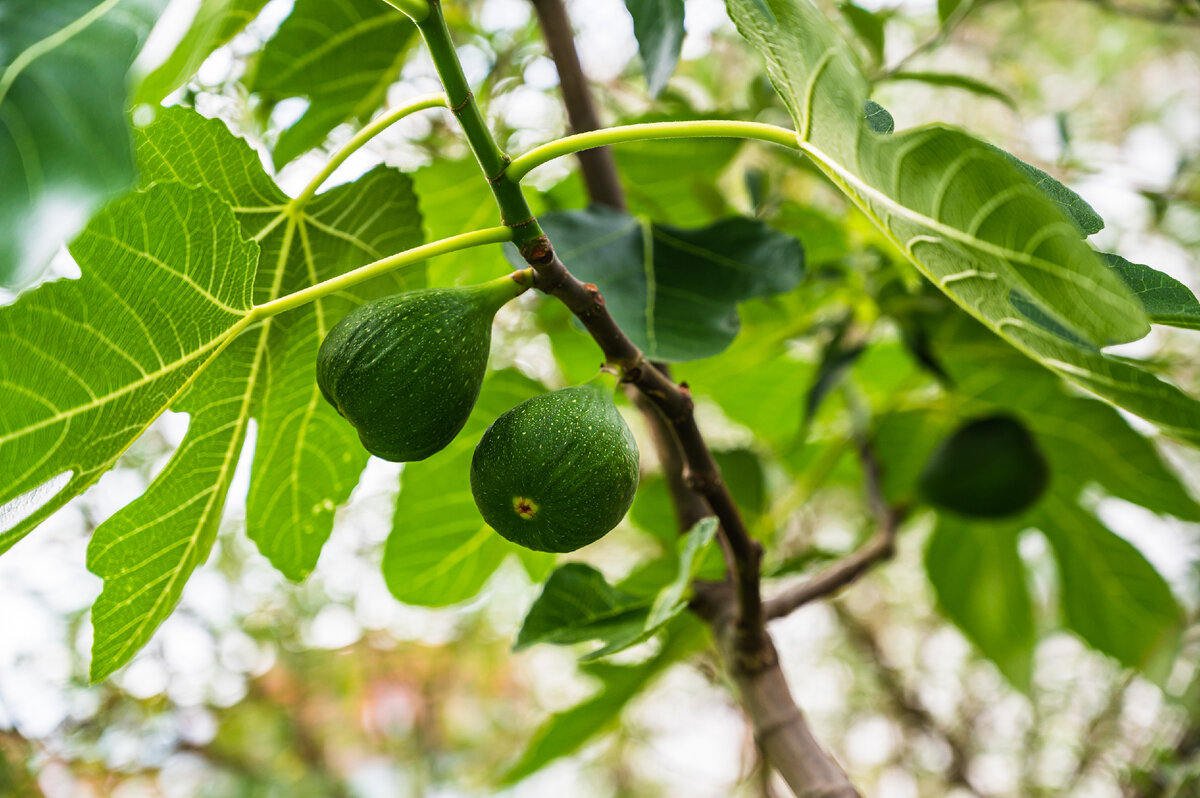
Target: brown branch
(599,169)
(693,479)
(879,548)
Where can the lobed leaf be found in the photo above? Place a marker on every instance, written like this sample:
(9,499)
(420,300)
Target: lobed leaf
(307,458)
(86,365)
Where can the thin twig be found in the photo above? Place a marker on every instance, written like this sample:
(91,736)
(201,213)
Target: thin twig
(845,571)
(599,169)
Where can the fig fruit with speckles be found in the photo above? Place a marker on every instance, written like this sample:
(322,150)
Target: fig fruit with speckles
(558,471)
(406,370)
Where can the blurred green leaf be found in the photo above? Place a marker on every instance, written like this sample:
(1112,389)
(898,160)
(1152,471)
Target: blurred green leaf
(1110,594)
(65,145)
(980,584)
(341,56)
(946,9)
(215,23)
(674,291)
(658,27)
(454,199)
(440,551)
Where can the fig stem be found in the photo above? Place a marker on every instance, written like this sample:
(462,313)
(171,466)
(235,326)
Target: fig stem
(707,128)
(490,235)
(372,129)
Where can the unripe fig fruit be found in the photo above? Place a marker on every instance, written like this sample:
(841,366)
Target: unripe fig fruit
(406,370)
(558,471)
(988,468)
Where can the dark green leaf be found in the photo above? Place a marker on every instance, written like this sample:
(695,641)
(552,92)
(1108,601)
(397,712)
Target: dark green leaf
(878,118)
(1167,301)
(658,26)
(65,145)
(980,583)
(341,56)
(1111,596)
(674,291)
(578,604)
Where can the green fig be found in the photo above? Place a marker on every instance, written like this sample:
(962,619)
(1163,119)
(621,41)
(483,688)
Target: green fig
(406,370)
(990,467)
(558,471)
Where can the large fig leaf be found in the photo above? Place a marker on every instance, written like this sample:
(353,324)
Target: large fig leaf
(87,364)
(65,146)
(168,283)
(307,459)
(967,218)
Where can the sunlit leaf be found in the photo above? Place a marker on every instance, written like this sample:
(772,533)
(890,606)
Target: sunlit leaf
(86,365)
(307,458)
(215,23)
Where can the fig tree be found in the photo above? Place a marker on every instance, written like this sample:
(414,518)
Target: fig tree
(406,370)
(558,471)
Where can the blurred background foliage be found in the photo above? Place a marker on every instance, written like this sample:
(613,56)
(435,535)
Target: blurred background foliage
(260,687)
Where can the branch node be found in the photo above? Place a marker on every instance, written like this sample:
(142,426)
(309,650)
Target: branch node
(457,109)
(504,163)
